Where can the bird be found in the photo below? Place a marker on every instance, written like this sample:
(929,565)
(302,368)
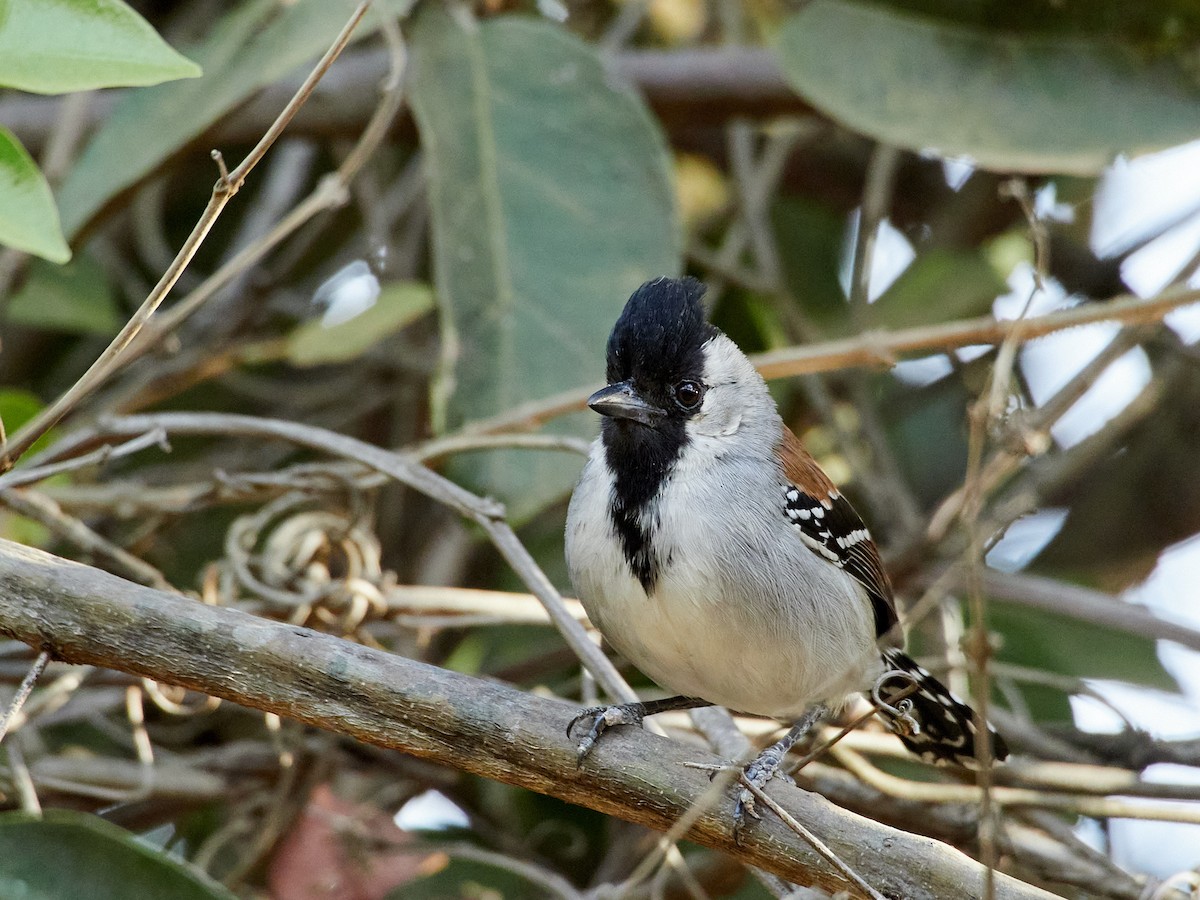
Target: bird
(712,551)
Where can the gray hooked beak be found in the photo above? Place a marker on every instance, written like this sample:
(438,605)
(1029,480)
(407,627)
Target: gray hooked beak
(621,401)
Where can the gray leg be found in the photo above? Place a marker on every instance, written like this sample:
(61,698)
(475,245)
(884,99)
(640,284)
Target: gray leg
(767,763)
(604,717)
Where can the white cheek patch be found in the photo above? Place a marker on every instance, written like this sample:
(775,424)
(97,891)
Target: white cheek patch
(717,418)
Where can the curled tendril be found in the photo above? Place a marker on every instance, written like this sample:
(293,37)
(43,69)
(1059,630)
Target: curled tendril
(901,711)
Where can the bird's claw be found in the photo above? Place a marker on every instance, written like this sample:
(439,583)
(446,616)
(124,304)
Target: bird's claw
(758,773)
(602,719)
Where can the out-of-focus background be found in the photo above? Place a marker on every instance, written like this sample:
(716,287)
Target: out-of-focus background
(431,257)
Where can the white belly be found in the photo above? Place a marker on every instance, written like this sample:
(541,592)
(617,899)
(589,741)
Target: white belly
(758,625)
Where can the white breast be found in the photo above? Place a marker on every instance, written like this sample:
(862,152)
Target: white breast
(743,614)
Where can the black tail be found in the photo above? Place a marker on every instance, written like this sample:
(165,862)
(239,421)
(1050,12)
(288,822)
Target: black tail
(944,729)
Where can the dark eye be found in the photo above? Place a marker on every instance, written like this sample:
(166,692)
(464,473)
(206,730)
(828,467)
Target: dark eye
(688,394)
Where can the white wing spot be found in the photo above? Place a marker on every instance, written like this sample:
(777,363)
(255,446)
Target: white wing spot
(818,547)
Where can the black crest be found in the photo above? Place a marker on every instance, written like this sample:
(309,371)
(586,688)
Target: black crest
(660,335)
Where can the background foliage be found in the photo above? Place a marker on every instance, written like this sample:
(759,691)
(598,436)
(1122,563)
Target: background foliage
(444,279)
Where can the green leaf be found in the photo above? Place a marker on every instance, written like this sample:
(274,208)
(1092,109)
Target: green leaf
(59,46)
(398,305)
(256,44)
(1071,646)
(938,286)
(1023,102)
(28,218)
(810,238)
(66,855)
(17,407)
(551,199)
(927,432)
(75,297)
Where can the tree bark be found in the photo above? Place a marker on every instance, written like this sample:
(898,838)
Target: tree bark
(83,615)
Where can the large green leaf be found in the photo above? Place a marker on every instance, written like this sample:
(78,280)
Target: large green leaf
(256,44)
(58,46)
(28,219)
(1028,102)
(551,201)
(66,855)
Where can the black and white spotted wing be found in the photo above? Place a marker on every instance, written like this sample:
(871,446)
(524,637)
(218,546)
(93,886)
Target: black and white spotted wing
(832,529)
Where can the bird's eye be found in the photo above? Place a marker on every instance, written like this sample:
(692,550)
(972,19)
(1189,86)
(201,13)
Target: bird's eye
(688,394)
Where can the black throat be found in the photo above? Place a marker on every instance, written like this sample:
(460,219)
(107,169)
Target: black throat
(657,342)
(641,460)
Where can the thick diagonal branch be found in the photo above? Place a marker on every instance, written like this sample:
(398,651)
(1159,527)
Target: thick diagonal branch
(84,615)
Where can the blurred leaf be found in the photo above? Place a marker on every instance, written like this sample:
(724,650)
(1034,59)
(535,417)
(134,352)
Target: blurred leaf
(939,285)
(28,219)
(927,431)
(810,239)
(1069,646)
(17,407)
(550,189)
(255,44)
(464,878)
(1029,103)
(1156,25)
(58,46)
(398,305)
(65,855)
(75,297)
(1150,484)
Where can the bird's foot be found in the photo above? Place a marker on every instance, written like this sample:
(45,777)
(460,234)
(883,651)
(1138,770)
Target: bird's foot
(767,764)
(761,770)
(603,718)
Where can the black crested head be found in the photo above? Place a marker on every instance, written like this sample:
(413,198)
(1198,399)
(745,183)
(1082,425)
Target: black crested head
(660,335)
(656,350)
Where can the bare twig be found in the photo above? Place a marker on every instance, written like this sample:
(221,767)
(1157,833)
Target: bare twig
(405,469)
(32,474)
(222,193)
(1081,804)
(37,506)
(819,845)
(27,683)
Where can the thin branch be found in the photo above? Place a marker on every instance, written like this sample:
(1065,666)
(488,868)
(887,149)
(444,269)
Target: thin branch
(877,348)
(1087,605)
(37,506)
(791,822)
(332,191)
(32,474)
(883,347)
(222,193)
(959,824)
(1080,804)
(488,514)
(23,690)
